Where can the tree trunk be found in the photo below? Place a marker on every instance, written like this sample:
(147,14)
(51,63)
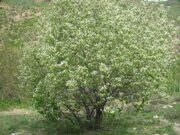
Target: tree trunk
(90,122)
(98,118)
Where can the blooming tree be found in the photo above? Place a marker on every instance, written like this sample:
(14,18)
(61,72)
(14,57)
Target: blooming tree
(92,52)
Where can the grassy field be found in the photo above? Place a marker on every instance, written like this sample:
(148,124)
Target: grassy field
(174,10)
(159,117)
(17,21)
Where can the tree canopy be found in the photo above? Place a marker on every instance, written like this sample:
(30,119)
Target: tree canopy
(92,52)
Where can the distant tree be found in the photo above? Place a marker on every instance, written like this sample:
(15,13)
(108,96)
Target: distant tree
(90,53)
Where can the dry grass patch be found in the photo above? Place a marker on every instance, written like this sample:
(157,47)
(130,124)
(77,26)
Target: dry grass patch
(16,111)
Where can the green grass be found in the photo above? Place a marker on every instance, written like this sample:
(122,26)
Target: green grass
(172,114)
(25,3)
(34,123)
(18,19)
(11,104)
(174,11)
(174,14)
(18,24)
(17,123)
(119,124)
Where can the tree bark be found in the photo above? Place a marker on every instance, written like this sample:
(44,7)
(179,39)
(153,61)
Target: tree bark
(90,123)
(98,118)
